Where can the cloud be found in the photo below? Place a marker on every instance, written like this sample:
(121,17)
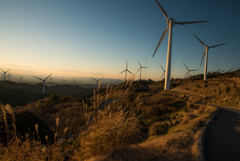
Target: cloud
(74,71)
(19,66)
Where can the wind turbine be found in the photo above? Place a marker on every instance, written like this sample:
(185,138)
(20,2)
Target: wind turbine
(63,81)
(140,68)
(170,23)
(9,75)
(188,72)
(20,81)
(126,70)
(74,82)
(97,81)
(226,71)
(43,81)
(4,74)
(206,51)
(163,71)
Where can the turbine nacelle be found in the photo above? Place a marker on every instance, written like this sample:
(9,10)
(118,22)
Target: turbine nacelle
(172,21)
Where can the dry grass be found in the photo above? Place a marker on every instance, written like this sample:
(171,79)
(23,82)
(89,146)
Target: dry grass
(117,132)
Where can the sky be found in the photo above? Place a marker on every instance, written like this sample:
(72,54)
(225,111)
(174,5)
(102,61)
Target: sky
(92,38)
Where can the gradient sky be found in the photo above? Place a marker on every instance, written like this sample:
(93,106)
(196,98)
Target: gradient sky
(94,38)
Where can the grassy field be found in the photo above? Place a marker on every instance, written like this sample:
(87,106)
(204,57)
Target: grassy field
(146,123)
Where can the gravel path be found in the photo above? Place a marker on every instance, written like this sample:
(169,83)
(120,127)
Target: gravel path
(222,141)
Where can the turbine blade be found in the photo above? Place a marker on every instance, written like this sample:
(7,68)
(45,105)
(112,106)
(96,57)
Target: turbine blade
(217,45)
(163,11)
(163,35)
(101,79)
(189,22)
(202,57)
(230,70)
(161,67)
(144,67)
(123,71)
(199,40)
(129,72)
(139,63)
(2,70)
(221,70)
(138,70)
(162,75)
(7,70)
(127,65)
(186,74)
(94,78)
(38,78)
(48,76)
(185,66)
(194,70)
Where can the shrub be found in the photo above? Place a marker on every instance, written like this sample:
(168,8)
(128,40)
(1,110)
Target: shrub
(158,128)
(109,131)
(228,89)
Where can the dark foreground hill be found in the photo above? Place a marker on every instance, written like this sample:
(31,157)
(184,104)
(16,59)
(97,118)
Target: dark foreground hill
(21,93)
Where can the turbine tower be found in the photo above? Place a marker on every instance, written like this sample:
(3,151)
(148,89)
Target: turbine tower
(206,59)
(20,81)
(43,81)
(126,70)
(74,82)
(97,81)
(170,23)
(4,74)
(188,70)
(140,68)
(50,80)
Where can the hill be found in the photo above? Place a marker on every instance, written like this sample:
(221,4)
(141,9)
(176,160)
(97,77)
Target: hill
(144,122)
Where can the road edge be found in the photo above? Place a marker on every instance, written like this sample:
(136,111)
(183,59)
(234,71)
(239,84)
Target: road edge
(201,137)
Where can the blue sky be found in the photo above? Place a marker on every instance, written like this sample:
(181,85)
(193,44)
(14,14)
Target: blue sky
(92,38)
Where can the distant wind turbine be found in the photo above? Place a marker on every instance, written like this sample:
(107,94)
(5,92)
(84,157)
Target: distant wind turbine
(4,74)
(9,75)
(188,71)
(226,71)
(20,81)
(126,70)
(206,51)
(170,23)
(163,71)
(63,82)
(140,68)
(74,82)
(43,81)
(97,81)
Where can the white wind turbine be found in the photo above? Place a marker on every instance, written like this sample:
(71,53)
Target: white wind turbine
(74,82)
(20,81)
(188,71)
(170,23)
(206,59)
(126,70)
(140,68)
(97,81)
(4,74)
(43,81)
